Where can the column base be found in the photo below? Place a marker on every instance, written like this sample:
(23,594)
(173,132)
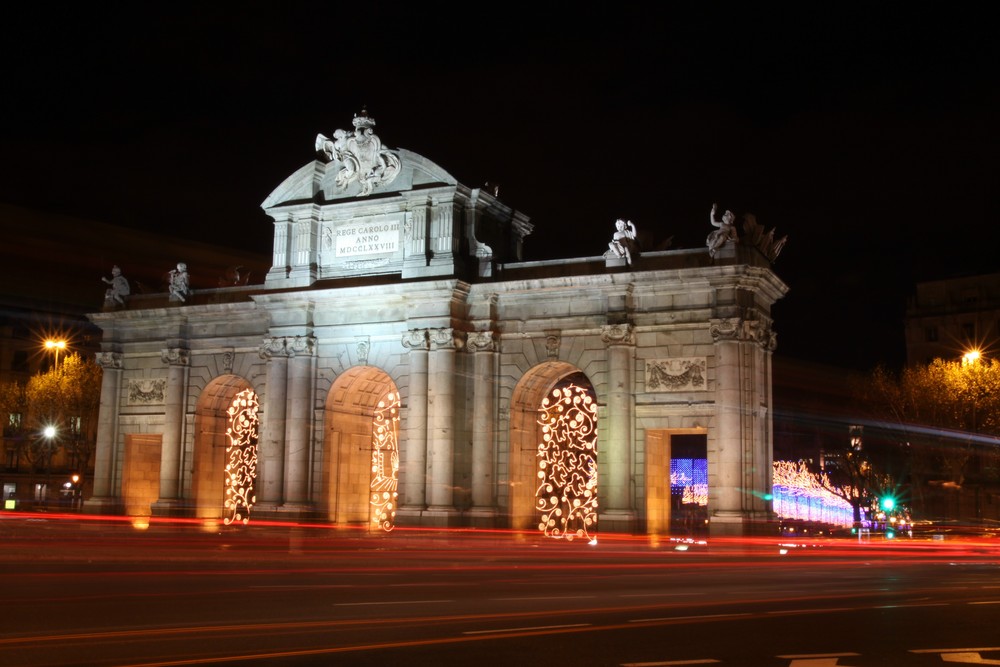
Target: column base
(482,517)
(616,521)
(102,505)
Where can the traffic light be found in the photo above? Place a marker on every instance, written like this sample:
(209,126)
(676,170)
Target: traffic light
(888,503)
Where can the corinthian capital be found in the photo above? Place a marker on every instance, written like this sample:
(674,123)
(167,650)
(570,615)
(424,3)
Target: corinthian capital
(481,341)
(110,360)
(445,339)
(175,356)
(742,330)
(618,334)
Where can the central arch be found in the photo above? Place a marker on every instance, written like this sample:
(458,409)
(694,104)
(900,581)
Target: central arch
(361,429)
(527,432)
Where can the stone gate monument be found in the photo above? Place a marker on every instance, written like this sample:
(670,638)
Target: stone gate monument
(402,366)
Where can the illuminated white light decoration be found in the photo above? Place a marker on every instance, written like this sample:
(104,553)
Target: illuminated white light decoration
(799,494)
(241,457)
(385,463)
(567,464)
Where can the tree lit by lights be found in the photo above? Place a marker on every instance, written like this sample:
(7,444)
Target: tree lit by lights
(567,464)
(385,463)
(801,495)
(241,457)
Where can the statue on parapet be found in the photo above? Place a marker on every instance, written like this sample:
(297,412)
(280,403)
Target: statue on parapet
(180,285)
(119,289)
(725,233)
(363,158)
(623,244)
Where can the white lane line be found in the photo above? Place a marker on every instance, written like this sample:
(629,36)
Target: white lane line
(529,629)
(686,618)
(560,597)
(811,611)
(666,663)
(362,604)
(805,656)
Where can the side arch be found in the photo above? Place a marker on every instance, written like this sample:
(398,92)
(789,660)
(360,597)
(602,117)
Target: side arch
(526,433)
(211,420)
(351,409)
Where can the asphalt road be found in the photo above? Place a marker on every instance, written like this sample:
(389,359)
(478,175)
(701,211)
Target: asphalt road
(87,592)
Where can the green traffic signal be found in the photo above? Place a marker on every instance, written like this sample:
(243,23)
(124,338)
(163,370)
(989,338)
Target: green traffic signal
(888,504)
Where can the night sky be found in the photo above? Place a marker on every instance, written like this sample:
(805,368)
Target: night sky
(870,136)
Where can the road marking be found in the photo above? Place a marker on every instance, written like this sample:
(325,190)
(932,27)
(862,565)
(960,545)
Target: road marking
(531,629)
(686,618)
(361,604)
(703,661)
(554,597)
(810,611)
(817,659)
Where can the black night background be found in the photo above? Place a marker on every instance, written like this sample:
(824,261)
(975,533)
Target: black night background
(866,133)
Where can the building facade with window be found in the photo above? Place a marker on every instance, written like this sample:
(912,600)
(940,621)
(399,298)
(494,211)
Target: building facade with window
(402,366)
(947,318)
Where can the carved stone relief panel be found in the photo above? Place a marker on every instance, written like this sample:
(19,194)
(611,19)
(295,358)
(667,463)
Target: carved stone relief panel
(147,391)
(676,374)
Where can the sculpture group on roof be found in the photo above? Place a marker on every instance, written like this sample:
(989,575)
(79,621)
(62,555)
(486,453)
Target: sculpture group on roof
(118,291)
(180,284)
(623,243)
(361,154)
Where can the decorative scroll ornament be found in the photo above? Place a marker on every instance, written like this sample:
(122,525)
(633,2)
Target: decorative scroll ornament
(567,464)
(286,346)
(737,329)
(228,357)
(364,160)
(385,463)
(416,339)
(241,457)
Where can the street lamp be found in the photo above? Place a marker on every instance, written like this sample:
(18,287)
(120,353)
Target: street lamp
(971,357)
(55,346)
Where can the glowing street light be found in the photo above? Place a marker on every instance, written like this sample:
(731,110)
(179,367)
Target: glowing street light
(971,357)
(49,432)
(55,346)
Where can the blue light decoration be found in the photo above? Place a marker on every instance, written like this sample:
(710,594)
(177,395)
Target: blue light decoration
(689,479)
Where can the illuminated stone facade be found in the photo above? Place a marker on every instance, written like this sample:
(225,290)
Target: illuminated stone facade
(410,286)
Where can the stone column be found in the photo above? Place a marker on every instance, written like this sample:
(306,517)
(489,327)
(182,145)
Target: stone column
(483,411)
(298,421)
(440,419)
(178,361)
(615,457)
(413,476)
(726,463)
(107,430)
(271,453)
